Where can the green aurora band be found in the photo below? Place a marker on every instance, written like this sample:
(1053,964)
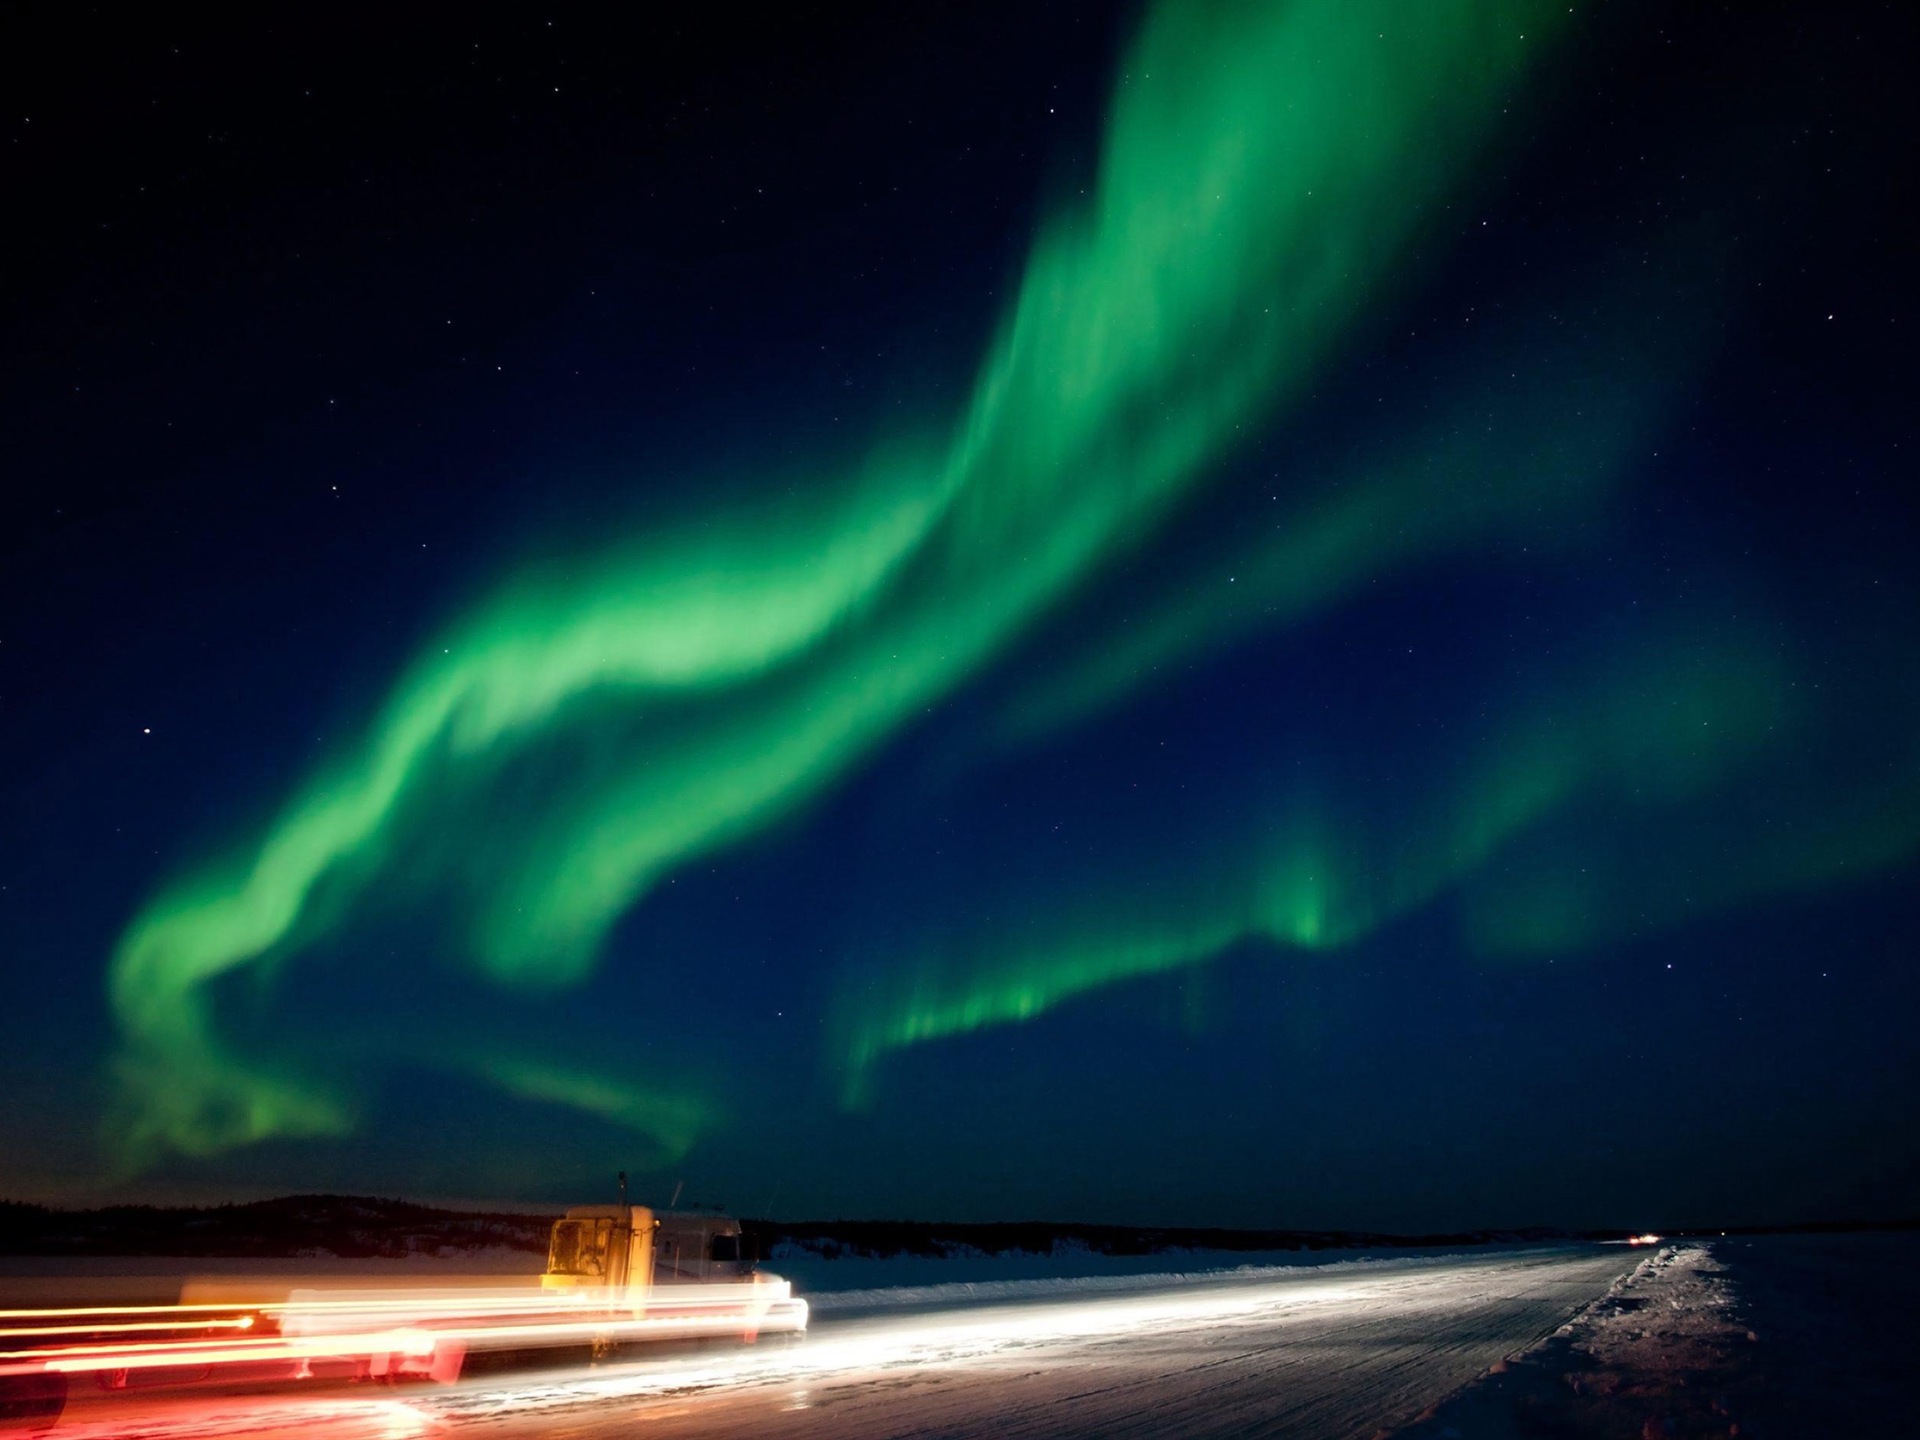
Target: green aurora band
(672,1122)
(1319,871)
(1639,790)
(1507,464)
(1266,171)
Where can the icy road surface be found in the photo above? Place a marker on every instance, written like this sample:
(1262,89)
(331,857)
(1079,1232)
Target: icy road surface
(1343,1350)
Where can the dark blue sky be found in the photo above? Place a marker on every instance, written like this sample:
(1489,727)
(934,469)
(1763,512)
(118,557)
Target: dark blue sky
(970,674)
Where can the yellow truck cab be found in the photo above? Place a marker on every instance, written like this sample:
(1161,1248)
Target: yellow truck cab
(665,1274)
(626,1246)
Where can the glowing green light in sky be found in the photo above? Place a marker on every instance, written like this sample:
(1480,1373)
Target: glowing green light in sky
(1503,463)
(1264,171)
(1664,722)
(671,1121)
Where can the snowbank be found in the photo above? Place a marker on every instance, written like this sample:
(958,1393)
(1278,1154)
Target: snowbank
(1771,1335)
(851,1282)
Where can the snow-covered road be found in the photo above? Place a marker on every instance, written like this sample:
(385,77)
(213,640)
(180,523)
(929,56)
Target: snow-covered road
(1343,1350)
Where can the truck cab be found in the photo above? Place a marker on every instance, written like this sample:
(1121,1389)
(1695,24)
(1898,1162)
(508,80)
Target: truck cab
(625,1246)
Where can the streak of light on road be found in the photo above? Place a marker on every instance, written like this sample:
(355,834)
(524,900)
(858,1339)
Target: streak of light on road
(1332,1352)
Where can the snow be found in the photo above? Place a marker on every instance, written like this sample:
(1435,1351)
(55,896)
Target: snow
(963,1275)
(1770,1335)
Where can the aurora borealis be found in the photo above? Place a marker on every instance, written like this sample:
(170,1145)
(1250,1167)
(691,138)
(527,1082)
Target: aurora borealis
(1343,587)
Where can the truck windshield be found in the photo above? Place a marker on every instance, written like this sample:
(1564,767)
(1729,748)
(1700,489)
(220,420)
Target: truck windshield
(724,1247)
(578,1248)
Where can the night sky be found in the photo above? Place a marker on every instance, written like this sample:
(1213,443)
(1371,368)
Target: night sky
(1282,614)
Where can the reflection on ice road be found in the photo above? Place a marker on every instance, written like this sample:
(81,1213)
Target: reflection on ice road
(1333,1350)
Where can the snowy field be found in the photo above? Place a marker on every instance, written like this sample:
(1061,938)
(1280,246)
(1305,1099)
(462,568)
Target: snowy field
(845,1282)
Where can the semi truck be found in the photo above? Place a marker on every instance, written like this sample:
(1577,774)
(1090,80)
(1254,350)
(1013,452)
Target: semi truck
(616,1277)
(674,1266)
